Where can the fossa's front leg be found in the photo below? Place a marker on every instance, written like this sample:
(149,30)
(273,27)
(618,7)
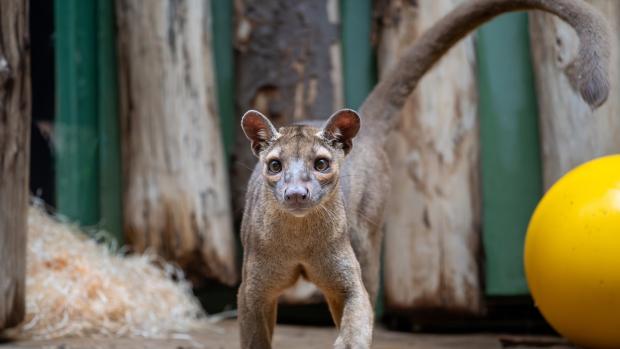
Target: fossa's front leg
(256,318)
(257,301)
(339,277)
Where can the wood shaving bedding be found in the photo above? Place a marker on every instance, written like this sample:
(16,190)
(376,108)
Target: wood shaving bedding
(77,287)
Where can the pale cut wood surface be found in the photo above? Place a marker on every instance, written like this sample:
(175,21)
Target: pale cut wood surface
(571,133)
(432,238)
(15,106)
(176,199)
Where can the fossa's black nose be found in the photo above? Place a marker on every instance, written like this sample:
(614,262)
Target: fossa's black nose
(297,194)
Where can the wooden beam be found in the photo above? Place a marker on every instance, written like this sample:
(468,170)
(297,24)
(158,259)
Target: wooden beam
(15,107)
(432,239)
(176,198)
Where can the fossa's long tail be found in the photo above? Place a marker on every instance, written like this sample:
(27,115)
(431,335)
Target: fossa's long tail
(588,73)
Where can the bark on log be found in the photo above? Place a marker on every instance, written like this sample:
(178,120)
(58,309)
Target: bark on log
(176,192)
(571,132)
(15,106)
(289,68)
(432,224)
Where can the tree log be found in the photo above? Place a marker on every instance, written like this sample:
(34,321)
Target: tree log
(432,219)
(289,68)
(176,192)
(15,107)
(571,132)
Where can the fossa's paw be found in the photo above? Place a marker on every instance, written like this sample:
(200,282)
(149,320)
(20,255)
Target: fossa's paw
(352,342)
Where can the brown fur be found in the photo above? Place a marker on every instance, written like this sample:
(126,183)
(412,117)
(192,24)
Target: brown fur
(336,243)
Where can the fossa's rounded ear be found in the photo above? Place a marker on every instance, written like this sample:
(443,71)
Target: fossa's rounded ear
(340,129)
(258,129)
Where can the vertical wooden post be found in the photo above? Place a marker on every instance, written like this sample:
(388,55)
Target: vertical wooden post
(432,220)
(176,199)
(571,132)
(15,106)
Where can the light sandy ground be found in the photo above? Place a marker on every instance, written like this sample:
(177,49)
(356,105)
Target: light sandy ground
(225,335)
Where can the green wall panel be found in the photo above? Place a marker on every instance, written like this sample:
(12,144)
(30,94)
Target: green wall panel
(111,189)
(511,169)
(88,165)
(222,15)
(76,124)
(358,60)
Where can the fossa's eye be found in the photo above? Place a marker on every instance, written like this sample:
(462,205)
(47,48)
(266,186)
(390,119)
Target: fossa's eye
(321,164)
(275,166)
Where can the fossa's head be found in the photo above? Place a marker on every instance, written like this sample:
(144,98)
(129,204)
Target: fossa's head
(301,164)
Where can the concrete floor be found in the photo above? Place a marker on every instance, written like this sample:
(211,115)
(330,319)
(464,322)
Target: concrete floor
(225,335)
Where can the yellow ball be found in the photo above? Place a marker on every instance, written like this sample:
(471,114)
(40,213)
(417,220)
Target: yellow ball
(572,254)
